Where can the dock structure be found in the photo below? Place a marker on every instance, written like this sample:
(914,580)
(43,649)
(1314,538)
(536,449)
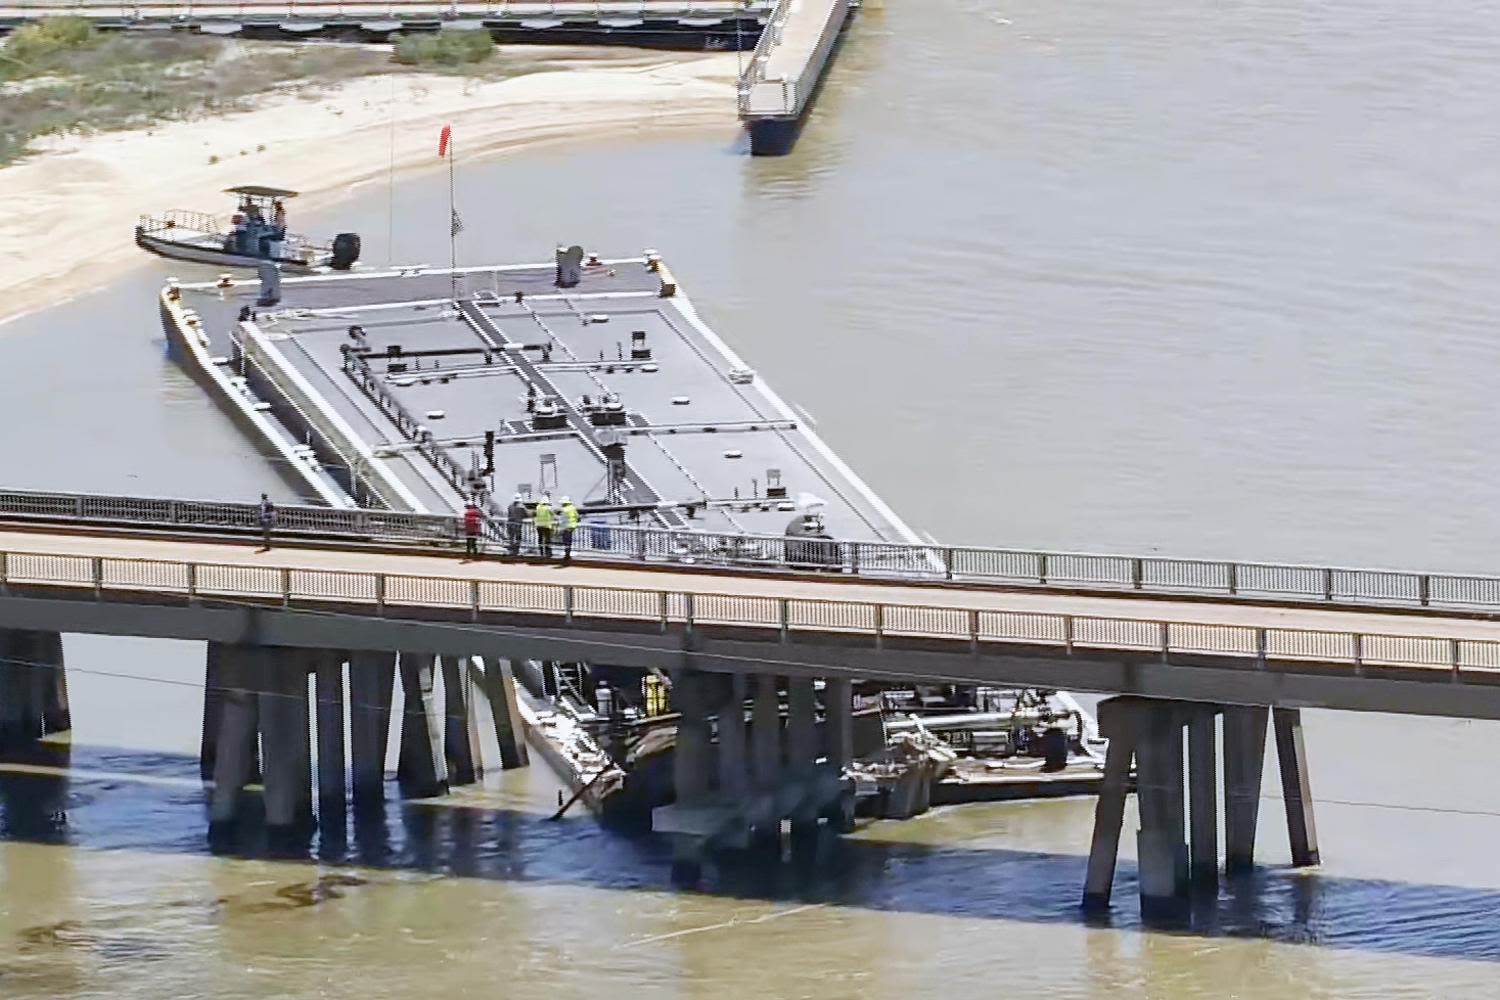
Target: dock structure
(786,69)
(679,24)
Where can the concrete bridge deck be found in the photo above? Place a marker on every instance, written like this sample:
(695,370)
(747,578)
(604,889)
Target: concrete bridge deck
(1421,663)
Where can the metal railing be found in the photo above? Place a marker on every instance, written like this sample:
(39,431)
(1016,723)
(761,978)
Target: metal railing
(871,560)
(178,10)
(396,594)
(752,81)
(180,218)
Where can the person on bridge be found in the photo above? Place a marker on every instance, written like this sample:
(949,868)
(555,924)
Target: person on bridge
(471,530)
(515,520)
(267,519)
(544,523)
(569,525)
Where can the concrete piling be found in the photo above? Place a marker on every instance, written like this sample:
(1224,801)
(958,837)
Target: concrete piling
(1161,843)
(801,753)
(1244,760)
(765,760)
(33,686)
(1203,800)
(235,670)
(1117,723)
(691,775)
(285,739)
(422,768)
(328,669)
(460,747)
(372,678)
(1150,731)
(500,691)
(838,708)
(1296,788)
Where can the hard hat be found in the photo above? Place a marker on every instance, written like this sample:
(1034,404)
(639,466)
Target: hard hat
(516,498)
(566,500)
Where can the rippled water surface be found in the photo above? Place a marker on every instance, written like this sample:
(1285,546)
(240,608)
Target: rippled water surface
(1212,279)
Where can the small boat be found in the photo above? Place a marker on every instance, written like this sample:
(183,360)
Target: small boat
(257,233)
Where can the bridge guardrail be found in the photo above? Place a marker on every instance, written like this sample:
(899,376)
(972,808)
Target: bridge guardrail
(871,560)
(388,593)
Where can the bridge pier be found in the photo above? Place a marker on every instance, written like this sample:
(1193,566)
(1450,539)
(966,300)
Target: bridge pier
(460,733)
(1177,843)
(285,740)
(691,776)
(33,686)
(235,669)
(328,673)
(765,762)
(372,679)
(422,769)
(801,754)
(500,692)
(735,793)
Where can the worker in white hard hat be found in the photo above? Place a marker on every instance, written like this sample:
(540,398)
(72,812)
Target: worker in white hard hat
(515,521)
(569,525)
(545,521)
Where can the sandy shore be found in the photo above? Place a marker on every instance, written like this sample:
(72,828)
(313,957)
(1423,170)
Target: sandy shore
(69,211)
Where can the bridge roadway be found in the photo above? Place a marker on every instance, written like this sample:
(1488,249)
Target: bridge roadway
(1409,661)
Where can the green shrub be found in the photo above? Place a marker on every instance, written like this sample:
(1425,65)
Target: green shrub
(450,48)
(37,47)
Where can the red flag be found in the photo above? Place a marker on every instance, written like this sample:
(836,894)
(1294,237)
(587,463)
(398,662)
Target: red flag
(443,138)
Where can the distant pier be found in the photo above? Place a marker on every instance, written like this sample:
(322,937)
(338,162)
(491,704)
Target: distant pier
(783,75)
(690,24)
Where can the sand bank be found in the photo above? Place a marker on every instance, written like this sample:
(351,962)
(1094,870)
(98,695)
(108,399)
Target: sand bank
(68,211)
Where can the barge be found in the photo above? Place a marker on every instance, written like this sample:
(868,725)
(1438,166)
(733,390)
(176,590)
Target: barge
(588,385)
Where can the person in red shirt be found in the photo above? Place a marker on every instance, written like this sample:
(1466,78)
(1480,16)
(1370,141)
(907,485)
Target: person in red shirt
(471,530)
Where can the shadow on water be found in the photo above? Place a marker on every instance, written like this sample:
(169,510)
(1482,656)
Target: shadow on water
(118,799)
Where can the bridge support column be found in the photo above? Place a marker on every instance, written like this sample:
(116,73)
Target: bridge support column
(838,707)
(33,686)
(1296,789)
(328,668)
(1203,798)
(1161,842)
(1150,732)
(460,744)
(801,754)
(285,740)
(1117,723)
(691,773)
(734,764)
(500,690)
(1244,761)
(371,680)
(422,768)
(765,760)
(235,670)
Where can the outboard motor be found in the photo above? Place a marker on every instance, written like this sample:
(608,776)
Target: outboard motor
(345,251)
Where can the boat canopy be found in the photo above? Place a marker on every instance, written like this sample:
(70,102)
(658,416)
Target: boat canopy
(260,191)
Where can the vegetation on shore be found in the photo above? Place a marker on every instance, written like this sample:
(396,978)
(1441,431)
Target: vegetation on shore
(60,74)
(449,48)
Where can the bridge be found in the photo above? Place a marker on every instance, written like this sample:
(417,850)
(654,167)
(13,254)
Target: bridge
(1178,644)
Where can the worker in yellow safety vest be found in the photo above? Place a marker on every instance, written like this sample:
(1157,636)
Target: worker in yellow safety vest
(544,523)
(569,524)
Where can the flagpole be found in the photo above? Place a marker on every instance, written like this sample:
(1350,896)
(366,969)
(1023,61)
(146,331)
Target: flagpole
(452,229)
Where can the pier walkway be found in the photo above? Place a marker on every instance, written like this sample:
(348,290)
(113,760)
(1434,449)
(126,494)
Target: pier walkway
(778,83)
